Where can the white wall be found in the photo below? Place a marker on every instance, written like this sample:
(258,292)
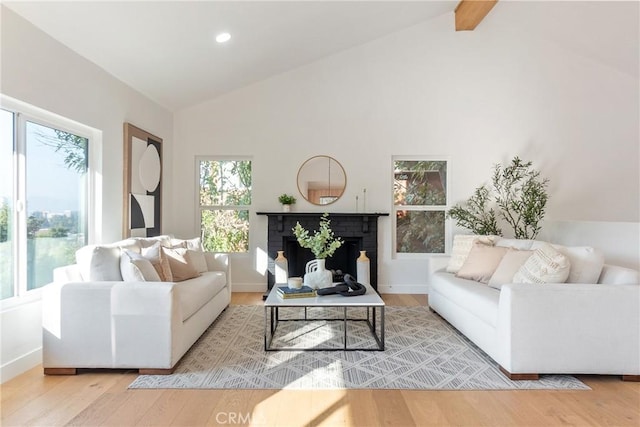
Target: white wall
(40,71)
(474,98)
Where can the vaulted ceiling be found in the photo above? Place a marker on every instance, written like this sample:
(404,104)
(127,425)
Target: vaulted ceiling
(166,50)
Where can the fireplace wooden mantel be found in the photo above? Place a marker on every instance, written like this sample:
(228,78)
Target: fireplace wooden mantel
(366,217)
(358,229)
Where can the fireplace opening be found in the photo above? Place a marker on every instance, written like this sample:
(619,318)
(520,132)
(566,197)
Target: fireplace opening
(343,260)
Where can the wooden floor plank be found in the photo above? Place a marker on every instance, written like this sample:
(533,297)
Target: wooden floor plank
(101,398)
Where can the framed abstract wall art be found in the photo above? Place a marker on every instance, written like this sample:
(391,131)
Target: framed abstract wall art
(142,201)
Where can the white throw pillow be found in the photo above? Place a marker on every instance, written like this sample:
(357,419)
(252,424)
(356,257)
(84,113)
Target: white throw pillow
(136,268)
(194,244)
(546,265)
(481,262)
(508,267)
(159,261)
(462,244)
(197,260)
(586,263)
(102,262)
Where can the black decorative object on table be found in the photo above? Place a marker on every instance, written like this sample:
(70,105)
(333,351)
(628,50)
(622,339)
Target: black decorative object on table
(350,288)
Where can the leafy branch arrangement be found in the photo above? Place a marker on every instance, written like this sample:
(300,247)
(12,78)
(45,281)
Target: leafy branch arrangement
(520,196)
(322,243)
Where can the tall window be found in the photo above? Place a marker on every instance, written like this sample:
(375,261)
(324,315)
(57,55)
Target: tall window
(420,205)
(224,203)
(43,212)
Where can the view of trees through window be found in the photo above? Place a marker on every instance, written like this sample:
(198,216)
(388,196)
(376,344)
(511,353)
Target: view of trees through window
(53,176)
(225,199)
(420,202)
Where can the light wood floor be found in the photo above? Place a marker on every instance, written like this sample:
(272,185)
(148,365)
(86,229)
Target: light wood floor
(97,398)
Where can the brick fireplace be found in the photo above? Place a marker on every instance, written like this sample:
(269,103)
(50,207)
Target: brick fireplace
(358,230)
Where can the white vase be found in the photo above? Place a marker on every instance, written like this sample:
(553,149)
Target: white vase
(317,276)
(286,208)
(363,268)
(282,268)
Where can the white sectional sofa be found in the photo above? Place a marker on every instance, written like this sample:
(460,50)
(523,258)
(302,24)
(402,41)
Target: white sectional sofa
(93,318)
(584,327)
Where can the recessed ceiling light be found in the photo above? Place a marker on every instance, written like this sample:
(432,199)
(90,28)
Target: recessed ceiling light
(223,37)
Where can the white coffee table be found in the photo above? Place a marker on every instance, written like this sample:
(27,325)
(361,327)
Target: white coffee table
(371,301)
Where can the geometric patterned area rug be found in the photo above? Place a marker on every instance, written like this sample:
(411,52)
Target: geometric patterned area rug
(422,352)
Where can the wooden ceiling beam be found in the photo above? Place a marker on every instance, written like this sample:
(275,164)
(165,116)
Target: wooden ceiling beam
(469,13)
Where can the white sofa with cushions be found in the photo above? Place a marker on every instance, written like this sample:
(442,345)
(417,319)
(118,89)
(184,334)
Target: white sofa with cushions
(135,304)
(537,308)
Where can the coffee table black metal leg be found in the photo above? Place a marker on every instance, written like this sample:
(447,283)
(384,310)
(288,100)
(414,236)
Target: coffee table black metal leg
(345,328)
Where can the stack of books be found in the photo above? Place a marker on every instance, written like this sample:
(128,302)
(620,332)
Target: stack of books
(304,292)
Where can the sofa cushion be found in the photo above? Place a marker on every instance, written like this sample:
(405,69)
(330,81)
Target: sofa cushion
(546,265)
(481,262)
(102,262)
(145,242)
(616,275)
(180,267)
(197,259)
(477,298)
(586,263)
(194,293)
(462,244)
(136,268)
(508,267)
(194,244)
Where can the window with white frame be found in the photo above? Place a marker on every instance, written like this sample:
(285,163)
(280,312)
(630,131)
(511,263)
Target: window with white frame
(224,186)
(43,197)
(420,205)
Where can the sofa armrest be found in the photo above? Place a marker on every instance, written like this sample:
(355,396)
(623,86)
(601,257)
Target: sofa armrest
(219,262)
(109,324)
(569,328)
(437,262)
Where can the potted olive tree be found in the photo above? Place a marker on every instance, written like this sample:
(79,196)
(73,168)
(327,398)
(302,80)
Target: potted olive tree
(519,195)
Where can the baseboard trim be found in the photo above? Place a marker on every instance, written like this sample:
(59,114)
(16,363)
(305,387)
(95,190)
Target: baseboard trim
(248,287)
(402,289)
(519,377)
(633,378)
(20,365)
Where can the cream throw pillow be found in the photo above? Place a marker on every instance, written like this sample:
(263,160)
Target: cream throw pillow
(546,265)
(481,262)
(180,267)
(508,267)
(462,244)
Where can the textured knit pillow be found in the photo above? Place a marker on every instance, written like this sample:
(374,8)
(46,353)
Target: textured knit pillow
(508,267)
(546,265)
(462,244)
(481,262)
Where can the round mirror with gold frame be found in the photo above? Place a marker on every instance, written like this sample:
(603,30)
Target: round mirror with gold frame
(321,180)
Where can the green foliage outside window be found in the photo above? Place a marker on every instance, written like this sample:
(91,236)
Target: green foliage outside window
(420,198)
(225,195)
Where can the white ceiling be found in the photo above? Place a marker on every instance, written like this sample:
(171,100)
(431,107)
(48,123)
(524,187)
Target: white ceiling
(166,50)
